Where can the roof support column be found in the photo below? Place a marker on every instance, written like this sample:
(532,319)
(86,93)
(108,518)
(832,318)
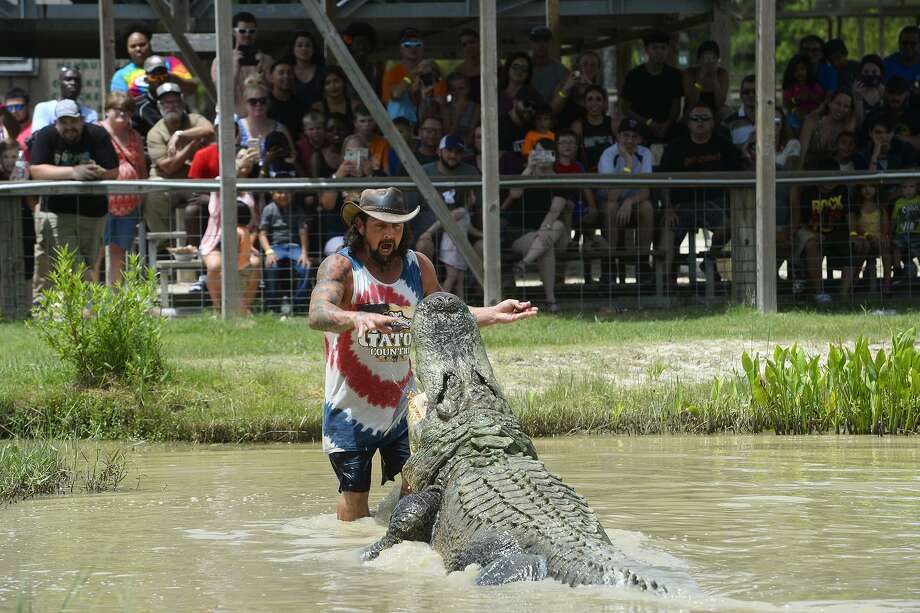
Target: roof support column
(766,156)
(491,206)
(226,145)
(552,22)
(191,59)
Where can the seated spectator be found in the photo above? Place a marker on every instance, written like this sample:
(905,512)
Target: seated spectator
(822,218)
(71,81)
(430,133)
(17,105)
(905,219)
(897,106)
(355,163)
(595,130)
(802,94)
(652,91)
(811,46)
(283,106)
(534,222)
(741,123)
(70,150)
(845,70)
(257,124)
(868,88)
(249,63)
(146,110)
(461,201)
(820,130)
(335,96)
(171,145)
(469,67)
(283,237)
(548,72)
(403,86)
(309,68)
(314,136)
(377,146)
(329,157)
(707,81)
(132,77)
(514,125)
(906,62)
(569,102)
(582,206)
(123,216)
(461,113)
(871,233)
(686,209)
(883,151)
(629,208)
(277,159)
(542,129)
(846,149)
(247,259)
(516,74)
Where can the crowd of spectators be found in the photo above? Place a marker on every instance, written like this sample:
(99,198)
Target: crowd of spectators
(298,116)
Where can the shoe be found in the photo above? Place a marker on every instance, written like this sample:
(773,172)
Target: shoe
(198,287)
(798,286)
(520,269)
(553,307)
(823,298)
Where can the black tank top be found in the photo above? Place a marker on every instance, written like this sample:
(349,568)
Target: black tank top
(594,140)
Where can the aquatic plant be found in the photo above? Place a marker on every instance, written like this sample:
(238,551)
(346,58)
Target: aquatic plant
(104,333)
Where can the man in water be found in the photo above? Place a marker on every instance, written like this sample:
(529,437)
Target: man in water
(364,299)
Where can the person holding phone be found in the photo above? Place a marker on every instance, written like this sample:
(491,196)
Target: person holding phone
(248,60)
(869,87)
(355,163)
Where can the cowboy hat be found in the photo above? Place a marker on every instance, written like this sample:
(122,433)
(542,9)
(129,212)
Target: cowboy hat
(387,205)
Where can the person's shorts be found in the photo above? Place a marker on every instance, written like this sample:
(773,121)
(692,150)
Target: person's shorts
(707,214)
(353,468)
(908,243)
(835,247)
(121,230)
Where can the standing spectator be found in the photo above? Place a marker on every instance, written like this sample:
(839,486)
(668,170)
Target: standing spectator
(569,102)
(700,150)
(335,95)
(802,93)
(71,86)
(171,144)
(846,70)
(897,105)
(548,72)
(516,75)
(629,208)
(433,94)
(706,82)
(17,105)
(132,77)
(329,157)
(741,123)
(906,62)
(819,133)
(123,215)
(283,106)
(595,130)
(146,110)
(313,139)
(868,88)
(19,268)
(469,67)
(248,60)
(377,146)
(70,150)
(652,91)
(812,47)
(361,39)
(309,66)
(514,125)
(284,241)
(403,85)
(430,133)
(883,151)
(461,113)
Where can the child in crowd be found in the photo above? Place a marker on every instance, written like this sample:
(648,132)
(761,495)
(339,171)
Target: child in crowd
(906,227)
(846,147)
(867,237)
(461,114)
(9,153)
(801,91)
(543,129)
(313,139)
(284,241)
(583,208)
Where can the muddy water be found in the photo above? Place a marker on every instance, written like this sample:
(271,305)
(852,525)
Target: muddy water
(759,523)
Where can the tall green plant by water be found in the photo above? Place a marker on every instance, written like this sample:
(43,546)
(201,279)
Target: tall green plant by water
(854,392)
(106,334)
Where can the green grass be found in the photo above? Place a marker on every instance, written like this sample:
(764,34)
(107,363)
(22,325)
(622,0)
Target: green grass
(261,379)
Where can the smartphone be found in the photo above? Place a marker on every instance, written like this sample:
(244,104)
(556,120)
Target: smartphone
(577,74)
(541,156)
(253,143)
(248,55)
(355,155)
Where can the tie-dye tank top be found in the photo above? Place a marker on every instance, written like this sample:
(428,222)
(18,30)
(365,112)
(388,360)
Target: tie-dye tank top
(368,378)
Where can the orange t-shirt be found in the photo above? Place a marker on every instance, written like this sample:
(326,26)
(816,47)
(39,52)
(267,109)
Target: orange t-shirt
(531,139)
(378,150)
(396,74)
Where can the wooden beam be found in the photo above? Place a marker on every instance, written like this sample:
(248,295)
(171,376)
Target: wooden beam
(106,45)
(721,30)
(197,67)
(766,156)
(552,22)
(226,145)
(491,205)
(369,97)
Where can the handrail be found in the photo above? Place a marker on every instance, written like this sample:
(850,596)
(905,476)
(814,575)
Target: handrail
(659,179)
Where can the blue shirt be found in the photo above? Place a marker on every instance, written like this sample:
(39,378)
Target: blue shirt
(43,115)
(894,68)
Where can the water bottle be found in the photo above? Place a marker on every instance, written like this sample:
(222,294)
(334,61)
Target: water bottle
(285,306)
(21,170)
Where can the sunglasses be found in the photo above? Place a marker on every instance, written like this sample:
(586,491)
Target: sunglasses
(254,101)
(15,107)
(412,44)
(244,30)
(700,118)
(748,92)
(519,67)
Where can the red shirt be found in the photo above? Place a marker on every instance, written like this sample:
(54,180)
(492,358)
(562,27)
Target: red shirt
(205,164)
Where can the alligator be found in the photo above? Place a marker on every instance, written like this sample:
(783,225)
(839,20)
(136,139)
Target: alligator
(479,493)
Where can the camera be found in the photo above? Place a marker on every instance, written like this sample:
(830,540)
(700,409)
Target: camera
(542,156)
(871,80)
(355,155)
(576,74)
(248,55)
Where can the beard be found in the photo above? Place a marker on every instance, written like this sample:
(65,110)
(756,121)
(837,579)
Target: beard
(381,259)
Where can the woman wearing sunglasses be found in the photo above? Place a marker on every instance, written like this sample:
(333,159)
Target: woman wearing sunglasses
(257,125)
(515,74)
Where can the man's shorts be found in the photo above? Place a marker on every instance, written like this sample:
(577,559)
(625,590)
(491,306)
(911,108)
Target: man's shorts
(908,243)
(353,468)
(708,214)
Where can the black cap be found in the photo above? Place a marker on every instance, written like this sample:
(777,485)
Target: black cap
(628,124)
(540,32)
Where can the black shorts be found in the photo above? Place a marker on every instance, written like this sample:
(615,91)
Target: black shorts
(353,468)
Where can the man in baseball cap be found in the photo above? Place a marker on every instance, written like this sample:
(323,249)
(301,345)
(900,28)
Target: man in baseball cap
(364,299)
(548,71)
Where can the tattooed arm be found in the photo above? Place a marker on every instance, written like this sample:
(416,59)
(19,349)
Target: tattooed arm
(333,282)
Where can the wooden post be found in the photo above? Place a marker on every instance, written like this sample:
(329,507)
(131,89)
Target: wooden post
(229,277)
(491,206)
(197,67)
(13,283)
(766,156)
(552,22)
(106,45)
(369,97)
(721,31)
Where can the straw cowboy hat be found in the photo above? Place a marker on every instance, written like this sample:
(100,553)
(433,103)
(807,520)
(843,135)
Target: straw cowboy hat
(387,205)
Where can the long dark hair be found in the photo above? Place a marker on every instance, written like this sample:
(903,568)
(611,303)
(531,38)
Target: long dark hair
(506,68)
(319,59)
(355,241)
(789,73)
